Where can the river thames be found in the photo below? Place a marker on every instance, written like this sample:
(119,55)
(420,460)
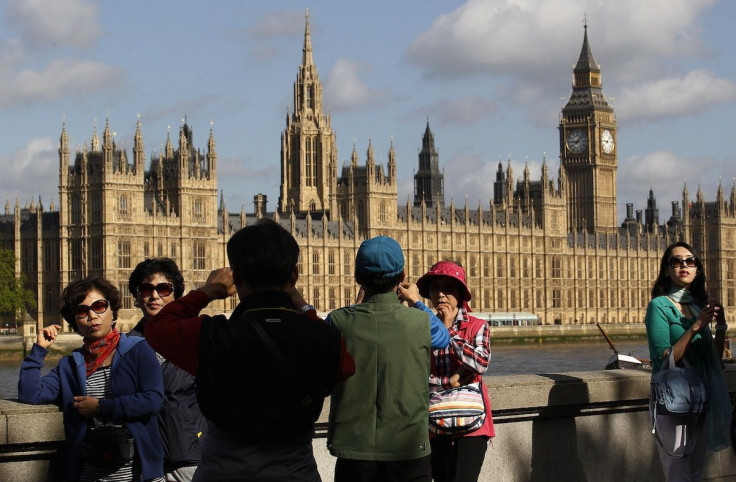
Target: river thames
(506,360)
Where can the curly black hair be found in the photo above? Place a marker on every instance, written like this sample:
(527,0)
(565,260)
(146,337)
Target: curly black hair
(77,291)
(146,269)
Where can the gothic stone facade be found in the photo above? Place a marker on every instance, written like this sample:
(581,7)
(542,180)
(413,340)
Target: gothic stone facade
(549,247)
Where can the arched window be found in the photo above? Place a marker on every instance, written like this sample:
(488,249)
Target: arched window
(123,208)
(309,161)
(76,213)
(96,215)
(199,255)
(123,254)
(197,209)
(382,212)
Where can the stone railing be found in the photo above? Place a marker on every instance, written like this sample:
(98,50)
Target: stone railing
(568,426)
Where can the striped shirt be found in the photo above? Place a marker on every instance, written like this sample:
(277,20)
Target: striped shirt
(99,385)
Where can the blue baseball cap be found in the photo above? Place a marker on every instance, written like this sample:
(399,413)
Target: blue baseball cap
(379,256)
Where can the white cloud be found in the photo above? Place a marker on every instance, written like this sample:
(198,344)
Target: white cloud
(279,23)
(469,174)
(51,23)
(344,90)
(527,37)
(683,95)
(30,172)
(527,48)
(462,111)
(405,191)
(666,174)
(11,53)
(175,112)
(271,34)
(62,78)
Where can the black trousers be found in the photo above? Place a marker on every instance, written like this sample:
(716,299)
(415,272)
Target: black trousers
(351,470)
(457,459)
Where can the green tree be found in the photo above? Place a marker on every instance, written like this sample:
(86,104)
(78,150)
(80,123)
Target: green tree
(14,297)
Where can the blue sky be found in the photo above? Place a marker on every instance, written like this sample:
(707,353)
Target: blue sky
(489,74)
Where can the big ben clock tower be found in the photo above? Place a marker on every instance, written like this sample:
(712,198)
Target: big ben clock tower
(588,149)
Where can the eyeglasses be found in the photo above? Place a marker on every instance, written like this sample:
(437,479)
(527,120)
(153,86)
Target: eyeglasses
(676,262)
(99,307)
(163,289)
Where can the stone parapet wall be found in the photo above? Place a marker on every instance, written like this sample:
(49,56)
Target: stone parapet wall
(569,426)
(31,437)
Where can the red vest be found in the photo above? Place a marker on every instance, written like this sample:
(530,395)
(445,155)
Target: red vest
(468,330)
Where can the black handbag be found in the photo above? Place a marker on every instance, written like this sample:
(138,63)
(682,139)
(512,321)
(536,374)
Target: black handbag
(108,446)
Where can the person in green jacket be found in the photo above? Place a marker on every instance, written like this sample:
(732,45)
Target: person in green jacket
(677,321)
(378,426)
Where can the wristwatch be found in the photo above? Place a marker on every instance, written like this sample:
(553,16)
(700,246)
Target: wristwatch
(304,309)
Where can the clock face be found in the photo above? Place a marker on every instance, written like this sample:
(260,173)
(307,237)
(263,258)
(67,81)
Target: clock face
(577,141)
(607,141)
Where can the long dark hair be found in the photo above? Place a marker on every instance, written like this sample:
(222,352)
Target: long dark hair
(662,283)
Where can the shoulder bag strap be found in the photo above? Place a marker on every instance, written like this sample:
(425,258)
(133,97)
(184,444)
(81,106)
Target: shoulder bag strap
(304,398)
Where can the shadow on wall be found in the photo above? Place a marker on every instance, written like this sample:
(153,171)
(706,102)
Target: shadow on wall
(554,438)
(574,439)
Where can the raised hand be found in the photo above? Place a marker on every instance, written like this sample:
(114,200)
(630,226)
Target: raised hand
(409,292)
(47,336)
(219,284)
(710,313)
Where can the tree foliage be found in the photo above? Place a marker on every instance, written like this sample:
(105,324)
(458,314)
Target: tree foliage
(14,297)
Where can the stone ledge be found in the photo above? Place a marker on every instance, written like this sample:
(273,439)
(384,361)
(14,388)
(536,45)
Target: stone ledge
(556,426)
(21,423)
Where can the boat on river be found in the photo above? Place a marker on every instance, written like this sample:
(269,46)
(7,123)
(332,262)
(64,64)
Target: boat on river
(621,361)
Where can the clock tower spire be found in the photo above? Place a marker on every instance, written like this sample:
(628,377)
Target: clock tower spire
(587,148)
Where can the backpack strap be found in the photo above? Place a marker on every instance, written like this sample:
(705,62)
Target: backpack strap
(304,398)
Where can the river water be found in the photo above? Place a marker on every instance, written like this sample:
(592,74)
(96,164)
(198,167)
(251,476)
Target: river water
(506,360)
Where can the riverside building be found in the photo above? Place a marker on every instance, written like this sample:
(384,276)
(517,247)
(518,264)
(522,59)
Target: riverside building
(549,246)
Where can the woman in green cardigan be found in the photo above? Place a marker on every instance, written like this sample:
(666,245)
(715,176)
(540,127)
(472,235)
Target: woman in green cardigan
(677,320)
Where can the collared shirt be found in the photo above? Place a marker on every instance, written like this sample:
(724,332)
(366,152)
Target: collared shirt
(474,352)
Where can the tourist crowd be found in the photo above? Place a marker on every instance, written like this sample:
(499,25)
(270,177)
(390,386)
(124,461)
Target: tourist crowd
(189,396)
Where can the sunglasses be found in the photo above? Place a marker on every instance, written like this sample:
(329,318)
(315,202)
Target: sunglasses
(163,289)
(99,307)
(676,262)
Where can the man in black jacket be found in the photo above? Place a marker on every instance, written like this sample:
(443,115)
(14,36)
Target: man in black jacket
(260,411)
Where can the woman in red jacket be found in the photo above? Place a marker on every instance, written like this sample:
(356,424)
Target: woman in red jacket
(465,360)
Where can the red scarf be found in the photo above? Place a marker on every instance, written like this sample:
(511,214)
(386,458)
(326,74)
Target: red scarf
(96,352)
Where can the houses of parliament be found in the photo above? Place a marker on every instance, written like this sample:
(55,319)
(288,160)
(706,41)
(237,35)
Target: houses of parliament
(550,246)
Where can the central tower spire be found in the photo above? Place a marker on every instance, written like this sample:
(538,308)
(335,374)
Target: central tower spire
(307,50)
(308,145)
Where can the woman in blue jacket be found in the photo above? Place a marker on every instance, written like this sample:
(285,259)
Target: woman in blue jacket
(109,390)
